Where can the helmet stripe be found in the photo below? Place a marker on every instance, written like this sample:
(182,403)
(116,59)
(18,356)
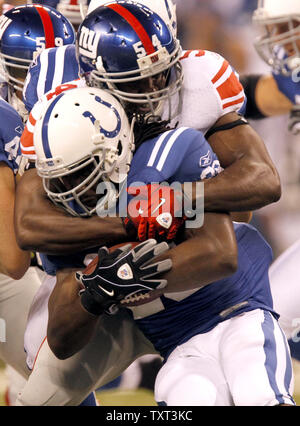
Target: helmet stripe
(48,26)
(136,25)
(45,129)
(168,9)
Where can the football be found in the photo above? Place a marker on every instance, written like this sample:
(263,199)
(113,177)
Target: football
(137,299)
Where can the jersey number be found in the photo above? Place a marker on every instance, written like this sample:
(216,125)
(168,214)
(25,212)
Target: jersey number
(141,51)
(41,44)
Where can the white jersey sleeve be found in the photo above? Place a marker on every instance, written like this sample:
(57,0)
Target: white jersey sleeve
(210,90)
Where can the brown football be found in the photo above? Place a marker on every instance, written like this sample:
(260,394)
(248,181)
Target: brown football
(133,300)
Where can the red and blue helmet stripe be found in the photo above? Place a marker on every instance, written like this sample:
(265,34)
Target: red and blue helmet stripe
(122,26)
(30,28)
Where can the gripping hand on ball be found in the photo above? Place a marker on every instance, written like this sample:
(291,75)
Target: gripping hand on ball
(122,274)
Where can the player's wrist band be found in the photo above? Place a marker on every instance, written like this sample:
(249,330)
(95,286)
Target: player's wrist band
(228,126)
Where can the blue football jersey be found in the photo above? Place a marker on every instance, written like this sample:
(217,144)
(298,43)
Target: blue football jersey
(180,316)
(163,158)
(184,155)
(181,155)
(11,128)
(50,69)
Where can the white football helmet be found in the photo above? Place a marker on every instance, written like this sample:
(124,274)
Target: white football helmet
(279,45)
(82,139)
(165,9)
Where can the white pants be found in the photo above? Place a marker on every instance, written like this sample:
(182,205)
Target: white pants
(15,300)
(285,286)
(243,361)
(53,382)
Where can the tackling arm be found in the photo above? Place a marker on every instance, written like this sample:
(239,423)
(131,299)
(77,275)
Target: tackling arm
(70,326)
(208,254)
(43,227)
(249,180)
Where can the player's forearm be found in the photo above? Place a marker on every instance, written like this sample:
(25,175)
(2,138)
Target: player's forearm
(208,255)
(257,186)
(65,235)
(14,264)
(41,226)
(70,327)
(249,180)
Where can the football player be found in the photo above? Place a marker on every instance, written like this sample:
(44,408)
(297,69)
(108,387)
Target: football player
(206,76)
(69,232)
(18,281)
(118,329)
(24,32)
(279,47)
(232,310)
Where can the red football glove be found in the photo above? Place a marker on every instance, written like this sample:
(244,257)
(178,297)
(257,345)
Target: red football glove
(152,211)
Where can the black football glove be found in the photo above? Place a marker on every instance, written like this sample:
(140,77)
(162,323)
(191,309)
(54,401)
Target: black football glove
(121,274)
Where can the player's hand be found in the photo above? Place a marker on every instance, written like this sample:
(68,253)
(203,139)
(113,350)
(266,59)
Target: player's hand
(294,120)
(156,211)
(121,274)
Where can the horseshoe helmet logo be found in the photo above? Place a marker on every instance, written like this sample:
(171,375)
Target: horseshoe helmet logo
(106,133)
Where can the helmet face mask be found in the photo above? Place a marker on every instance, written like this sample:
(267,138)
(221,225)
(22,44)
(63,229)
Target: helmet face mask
(76,190)
(23,36)
(279,44)
(123,57)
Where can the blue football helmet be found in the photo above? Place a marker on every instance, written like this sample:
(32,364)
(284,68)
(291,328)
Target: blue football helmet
(74,10)
(24,32)
(129,50)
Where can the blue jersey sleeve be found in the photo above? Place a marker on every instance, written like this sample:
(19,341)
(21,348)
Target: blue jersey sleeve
(289,86)
(181,155)
(51,68)
(11,128)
